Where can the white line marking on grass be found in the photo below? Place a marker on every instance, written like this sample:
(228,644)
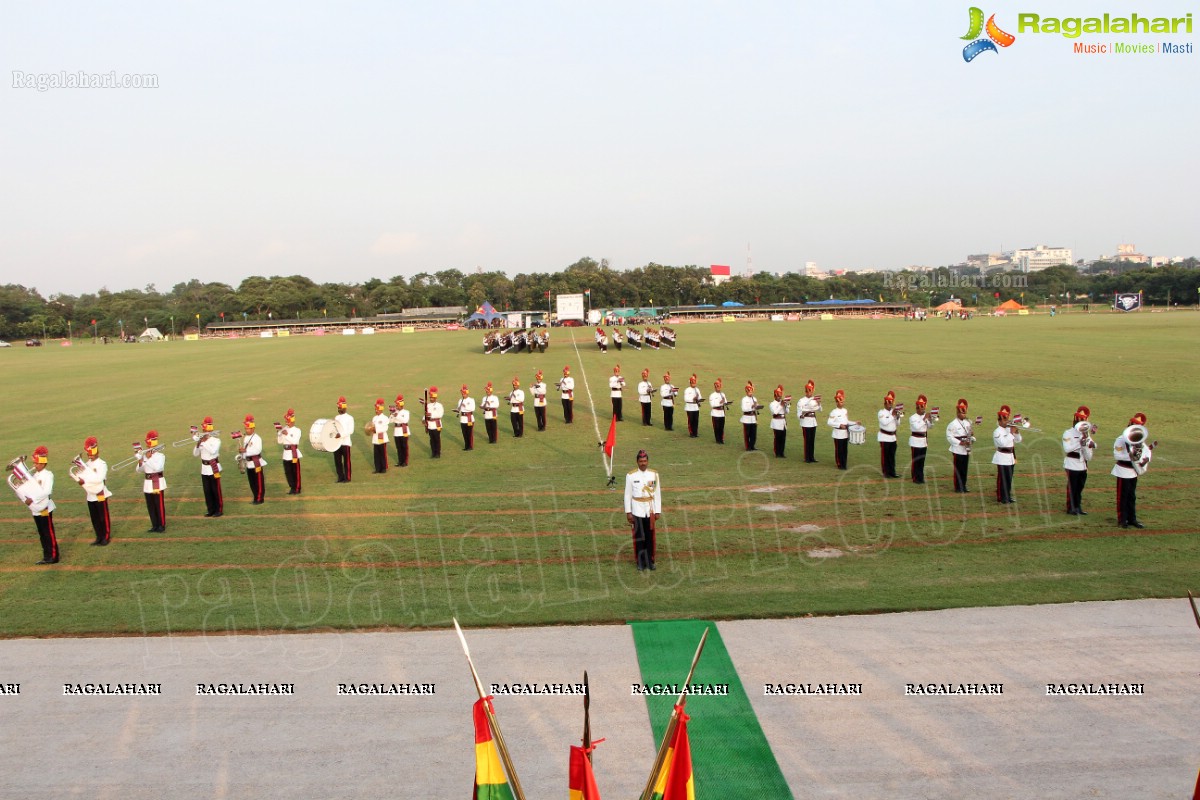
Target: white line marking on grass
(595,419)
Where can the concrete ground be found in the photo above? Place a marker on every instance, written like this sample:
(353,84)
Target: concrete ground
(882,743)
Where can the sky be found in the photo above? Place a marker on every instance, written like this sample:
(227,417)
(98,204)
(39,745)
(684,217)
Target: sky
(364,140)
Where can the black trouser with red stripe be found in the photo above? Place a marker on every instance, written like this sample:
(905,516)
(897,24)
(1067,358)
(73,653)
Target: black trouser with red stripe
(668,418)
(379,450)
(213,498)
(568,411)
(1076,480)
(887,459)
(1126,501)
(45,529)
(719,429)
(1004,476)
(435,442)
(490,426)
(841,450)
(616,407)
(468,433)
(780,442)
(518,424)
(693,419)
(341,463)
(156,506)
(749,434)
(646,412)
(810,444)
(539,413)
(643,542)
(258,484)
(291,471)
(918,464)
(961,463)
(101,524)
(401,450)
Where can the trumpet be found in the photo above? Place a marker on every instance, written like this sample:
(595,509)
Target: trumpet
(196,436)
(1024,423)
(20,475)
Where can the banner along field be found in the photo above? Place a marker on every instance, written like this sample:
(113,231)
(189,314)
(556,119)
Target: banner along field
(526,532)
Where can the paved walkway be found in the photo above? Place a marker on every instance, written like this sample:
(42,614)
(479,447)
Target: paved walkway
(880,743)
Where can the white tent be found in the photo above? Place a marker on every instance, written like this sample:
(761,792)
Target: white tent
(150,335)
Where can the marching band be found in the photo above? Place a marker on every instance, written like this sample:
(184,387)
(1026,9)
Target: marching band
(34,483)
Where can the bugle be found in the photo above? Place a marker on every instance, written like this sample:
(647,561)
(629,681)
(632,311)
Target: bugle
(75,466)
(1024,423)
(19,474)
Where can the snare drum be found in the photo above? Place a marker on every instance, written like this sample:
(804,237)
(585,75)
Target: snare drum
(858,434)
(323,436)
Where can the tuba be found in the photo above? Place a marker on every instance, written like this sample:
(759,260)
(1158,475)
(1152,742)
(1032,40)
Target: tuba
(20,475)
(1136,436)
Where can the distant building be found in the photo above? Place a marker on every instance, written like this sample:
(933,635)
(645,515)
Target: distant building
(1129,253)
(719,273)
(986,261)
(1036,259)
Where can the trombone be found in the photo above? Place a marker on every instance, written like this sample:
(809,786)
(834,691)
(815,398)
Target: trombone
(138,455)
(196,436)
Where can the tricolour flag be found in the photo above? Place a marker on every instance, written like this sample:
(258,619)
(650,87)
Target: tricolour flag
(490,780)
(674,781)
(580,780)
(611,441)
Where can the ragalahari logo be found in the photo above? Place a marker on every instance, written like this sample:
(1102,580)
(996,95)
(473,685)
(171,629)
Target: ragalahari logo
(995,36)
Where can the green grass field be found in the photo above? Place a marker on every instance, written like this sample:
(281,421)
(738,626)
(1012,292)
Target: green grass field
(525,532)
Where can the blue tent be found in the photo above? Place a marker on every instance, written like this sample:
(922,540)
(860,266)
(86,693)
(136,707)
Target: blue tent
(732,304)
(485,313)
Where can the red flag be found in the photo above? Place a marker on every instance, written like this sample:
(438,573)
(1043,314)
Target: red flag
(581,783)
(547,293)
(611,441)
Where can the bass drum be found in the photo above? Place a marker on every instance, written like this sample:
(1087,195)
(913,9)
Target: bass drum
(323,436)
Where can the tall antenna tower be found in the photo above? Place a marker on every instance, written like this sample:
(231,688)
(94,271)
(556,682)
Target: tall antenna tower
(749,262)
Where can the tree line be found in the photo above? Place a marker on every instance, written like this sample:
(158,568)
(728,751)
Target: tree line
(24,313)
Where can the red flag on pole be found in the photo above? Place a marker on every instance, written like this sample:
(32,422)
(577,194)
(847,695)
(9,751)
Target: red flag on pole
(581,782)
(611,441)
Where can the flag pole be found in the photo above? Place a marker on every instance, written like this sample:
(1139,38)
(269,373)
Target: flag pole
(661,756)
(491,717)
(1195,611)
(587,720)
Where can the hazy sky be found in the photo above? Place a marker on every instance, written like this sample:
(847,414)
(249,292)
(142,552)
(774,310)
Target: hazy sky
(356,140)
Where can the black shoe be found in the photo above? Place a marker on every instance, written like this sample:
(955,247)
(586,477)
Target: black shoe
(1073,513)
(219,514)
(893,475)
(1122,525)
(48,561)
(918,482)
(1082,513)
(651,567)
(1136,524)
(259,502)
(209,514)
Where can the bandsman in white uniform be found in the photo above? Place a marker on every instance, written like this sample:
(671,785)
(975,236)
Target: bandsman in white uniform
(839,420)
(208,450)
(918,438)
(961,436)
(779,414)
(344,423)
(287,436)
(750,409)
(1005,437)
(92,475)
(692,398)
(377,432)
(717,403)
(643,506)
(616,385)
(490,404)
(538,390)
(433,422)
(1078,449)
(466,417)
(646,397)
(888,422)
(516,408)
(36,493)
(401,421)
(1132,454)
(152,464)
(807,410)
(250,451)
(667,392)
(566,389)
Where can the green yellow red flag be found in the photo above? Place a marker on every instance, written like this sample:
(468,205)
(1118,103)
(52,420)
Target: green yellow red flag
(490,780)
(674,781)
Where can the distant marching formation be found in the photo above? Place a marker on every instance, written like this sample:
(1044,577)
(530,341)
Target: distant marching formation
(654,338)
(34,484)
